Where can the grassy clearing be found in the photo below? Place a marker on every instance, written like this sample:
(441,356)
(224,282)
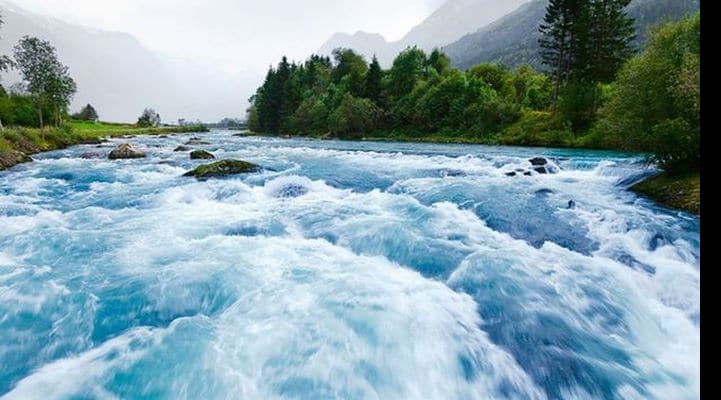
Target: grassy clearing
(17,144)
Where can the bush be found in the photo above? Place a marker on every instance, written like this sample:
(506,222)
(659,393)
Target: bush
(537,128)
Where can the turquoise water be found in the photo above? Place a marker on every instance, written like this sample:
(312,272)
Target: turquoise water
(350,270)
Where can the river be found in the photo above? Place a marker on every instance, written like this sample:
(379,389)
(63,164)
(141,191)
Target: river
(354,270)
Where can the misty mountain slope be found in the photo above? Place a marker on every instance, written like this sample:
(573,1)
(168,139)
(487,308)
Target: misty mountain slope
(513,39)
(120,77)
(110,68)
(451,21)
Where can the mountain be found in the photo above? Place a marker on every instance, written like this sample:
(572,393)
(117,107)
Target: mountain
(364,43)
(120,77)
(451,21)
(513,39)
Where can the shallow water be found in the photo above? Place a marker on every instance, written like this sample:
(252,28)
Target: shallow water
(351,270)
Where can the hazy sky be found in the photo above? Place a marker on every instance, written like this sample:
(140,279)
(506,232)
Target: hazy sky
(238,34)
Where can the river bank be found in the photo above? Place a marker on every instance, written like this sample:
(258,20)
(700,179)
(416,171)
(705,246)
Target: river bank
(18,144)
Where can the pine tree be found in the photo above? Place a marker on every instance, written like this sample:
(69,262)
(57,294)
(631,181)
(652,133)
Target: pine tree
(556,41)
(613,32)
(373,81)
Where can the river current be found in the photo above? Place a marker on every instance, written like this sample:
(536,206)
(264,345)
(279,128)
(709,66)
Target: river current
(351,270)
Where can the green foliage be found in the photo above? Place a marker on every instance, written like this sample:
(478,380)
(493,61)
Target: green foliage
(655,103)
(149,118)
(538,128)
(47,79)
(419,94)
(88,113)
(353,117)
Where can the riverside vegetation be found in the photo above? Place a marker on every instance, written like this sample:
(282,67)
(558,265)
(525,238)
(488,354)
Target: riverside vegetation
(36,111)
(597,93)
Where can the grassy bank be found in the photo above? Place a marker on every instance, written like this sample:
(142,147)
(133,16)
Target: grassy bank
(17,144)
(676,191)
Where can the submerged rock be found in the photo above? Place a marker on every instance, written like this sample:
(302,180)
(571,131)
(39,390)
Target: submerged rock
(125,150)
(201,155)
(527,173)
(223,168)
(538,161)
(512,173)
(182,148)
(90,155)
(196,141)
(571,204)
(291,190)
(541,170)
(544,191)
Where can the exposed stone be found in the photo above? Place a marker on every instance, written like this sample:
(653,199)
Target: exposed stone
(182,148)
(125,150)
(538,161)
(201,155)
(223,168)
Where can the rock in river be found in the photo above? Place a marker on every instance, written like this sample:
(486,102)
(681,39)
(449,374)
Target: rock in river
(223,168)
(196,141)
(125,150)
(538,161)
(201,155)
(182,148)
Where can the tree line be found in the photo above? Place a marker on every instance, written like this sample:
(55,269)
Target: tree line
(596,91)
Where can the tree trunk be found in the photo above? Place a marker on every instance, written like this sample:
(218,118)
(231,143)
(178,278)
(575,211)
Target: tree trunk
(2,127)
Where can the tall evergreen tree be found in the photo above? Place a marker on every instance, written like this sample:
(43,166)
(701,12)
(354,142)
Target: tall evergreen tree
(612,32)
(556,41)
(373,81)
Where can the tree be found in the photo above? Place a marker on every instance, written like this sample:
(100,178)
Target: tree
(350,70)
(407,69)
(655,103)
(6,63)
(555,41)
(353,117)
(612,33)
(373,81)
(47,78)
(149,118)
(88,113)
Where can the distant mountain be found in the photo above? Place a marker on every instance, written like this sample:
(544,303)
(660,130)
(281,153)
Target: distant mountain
(513,39)
(451,21)
(120,77)
(364,43)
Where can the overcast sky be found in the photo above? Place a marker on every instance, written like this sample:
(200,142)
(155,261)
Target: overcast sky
(233,34)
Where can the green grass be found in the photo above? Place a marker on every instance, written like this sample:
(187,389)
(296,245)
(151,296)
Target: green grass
(673,190)
(119,129)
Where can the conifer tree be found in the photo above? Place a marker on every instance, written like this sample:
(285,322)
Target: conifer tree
(373,81)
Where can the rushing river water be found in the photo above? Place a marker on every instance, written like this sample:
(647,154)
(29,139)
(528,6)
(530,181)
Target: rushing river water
(349,270)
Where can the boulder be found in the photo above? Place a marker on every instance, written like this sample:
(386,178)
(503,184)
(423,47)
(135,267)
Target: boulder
(223,168)
(512,173)
(541,170)
(527,173)
(201,155)
(182,148)
(538,161)
(125,150)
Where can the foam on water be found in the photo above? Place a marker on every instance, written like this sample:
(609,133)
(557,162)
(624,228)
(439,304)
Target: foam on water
(344,270)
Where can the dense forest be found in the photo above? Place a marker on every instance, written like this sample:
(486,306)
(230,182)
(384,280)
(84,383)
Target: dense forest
(595,91)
